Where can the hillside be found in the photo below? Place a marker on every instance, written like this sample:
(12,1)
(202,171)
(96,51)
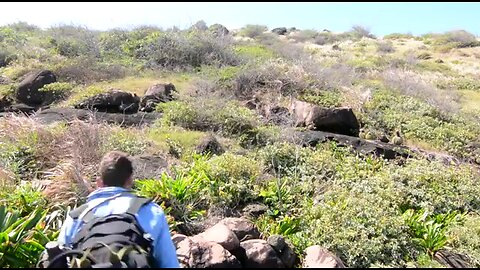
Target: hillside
(222,136)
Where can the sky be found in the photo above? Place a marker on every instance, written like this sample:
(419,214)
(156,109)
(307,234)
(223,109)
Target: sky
(380,18)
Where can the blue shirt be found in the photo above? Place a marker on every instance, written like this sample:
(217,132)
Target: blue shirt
(150,217)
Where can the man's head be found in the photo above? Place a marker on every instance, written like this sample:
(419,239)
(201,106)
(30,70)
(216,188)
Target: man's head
(116,170)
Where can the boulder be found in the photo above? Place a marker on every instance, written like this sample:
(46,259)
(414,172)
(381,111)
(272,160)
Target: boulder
(155,94)
(287,256)
(243,228)
(209,144)
(177,238)
(280,30)
(312,138)
(277,242)
(22,108)
(284,250)
(335,120)
(318,257)
(27,91)
(113,101)
(254,209)
(149,166)
(68,114)
(221,235)
(259,254)
(195,253)
(218,30)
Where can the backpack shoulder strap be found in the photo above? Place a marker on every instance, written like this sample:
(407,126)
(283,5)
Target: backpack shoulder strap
(137,203)
(86,212)
(79,210)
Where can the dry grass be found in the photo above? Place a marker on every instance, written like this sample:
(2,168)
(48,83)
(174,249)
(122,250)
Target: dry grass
(411,84)
(68,155)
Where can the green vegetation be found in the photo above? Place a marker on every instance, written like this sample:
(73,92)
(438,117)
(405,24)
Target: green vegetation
(368,210)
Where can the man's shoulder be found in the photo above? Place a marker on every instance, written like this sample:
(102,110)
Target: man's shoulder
(150,208)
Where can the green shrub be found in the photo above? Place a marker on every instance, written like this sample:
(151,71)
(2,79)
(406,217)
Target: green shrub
(341,224)
(228,118)
(252,30)
(465,237)
(305,35)
(182,194)
(123,140)
(257,52)
(326,38)
(436,187)
(73,41)
(461,83)
(20,159)
(233,179)
(419,121)
(281,157)
(7,56)
(24,199)
(398,36)
(328,99)
(181,51)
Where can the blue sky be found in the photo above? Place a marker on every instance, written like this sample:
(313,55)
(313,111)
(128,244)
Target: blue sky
(381,18)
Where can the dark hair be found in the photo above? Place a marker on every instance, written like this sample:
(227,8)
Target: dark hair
(115,169)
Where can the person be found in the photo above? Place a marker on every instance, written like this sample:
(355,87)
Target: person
(114,196)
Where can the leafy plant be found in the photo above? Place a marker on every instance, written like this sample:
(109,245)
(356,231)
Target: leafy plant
(284,225)
(428,230)
(183,193)
(22,239)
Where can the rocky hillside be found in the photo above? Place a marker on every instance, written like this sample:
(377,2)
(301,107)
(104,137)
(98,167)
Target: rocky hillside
(327,149)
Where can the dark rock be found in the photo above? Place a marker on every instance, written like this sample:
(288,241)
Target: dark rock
(67,114)
(287,256)
(452,259)
(280,30)
(113,101)
(284,250)
(22,108)
(148,167)
(260,255)
(243,228)
(195,253)
(155,94)
(254,209)
(312,138)
(27,91)
(335,120)
(210,145)
(383,138)
(277,242)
